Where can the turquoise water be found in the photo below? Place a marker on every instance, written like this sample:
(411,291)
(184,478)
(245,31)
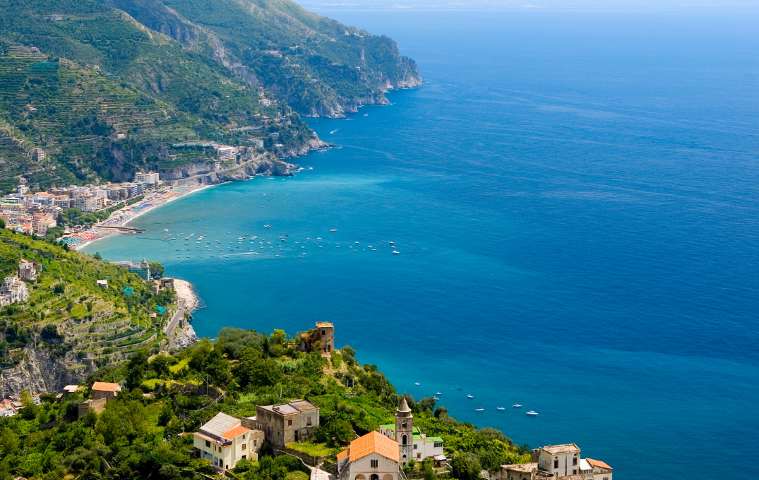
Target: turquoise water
(573,199)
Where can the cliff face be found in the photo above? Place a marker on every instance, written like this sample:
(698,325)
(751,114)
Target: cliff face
(208,173)
(41,371)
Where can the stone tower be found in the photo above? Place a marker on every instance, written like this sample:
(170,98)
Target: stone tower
(404,431)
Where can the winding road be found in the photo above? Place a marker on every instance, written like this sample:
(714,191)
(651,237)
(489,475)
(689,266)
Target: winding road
(169,330)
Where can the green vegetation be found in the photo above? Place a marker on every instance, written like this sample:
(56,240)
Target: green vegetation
(96,89)
(137,434)
(67,313)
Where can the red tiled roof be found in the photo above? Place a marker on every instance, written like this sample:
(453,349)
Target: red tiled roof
(106,387)
(374,442)
(235,432)
(598,463)
(343,454)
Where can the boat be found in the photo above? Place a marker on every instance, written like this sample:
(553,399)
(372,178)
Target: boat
(333,230)
(458,388)
(532,412)
(438,393)
(479,409)
(470,396)
(500,408)
(435,398)
(395,252)
(417,383)
(516,405)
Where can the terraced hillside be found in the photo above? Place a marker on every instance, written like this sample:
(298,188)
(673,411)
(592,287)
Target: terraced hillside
(70,326)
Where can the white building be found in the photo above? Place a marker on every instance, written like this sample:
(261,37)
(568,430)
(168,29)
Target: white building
(565,461)
(225,152)
(149,178)
(224,441)
(264,102)
(371,457)
(13,290)
(86,203)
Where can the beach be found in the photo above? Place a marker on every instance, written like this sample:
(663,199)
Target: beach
(121,217)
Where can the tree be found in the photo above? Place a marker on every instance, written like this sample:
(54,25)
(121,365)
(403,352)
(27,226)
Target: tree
(256,370)
(441,412)
(156,270)
(121,418)
(427,403)
(465,467)
(2,223)
(29,410)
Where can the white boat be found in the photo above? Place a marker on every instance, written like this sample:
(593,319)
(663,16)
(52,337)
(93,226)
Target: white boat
(516,405)
(532,412)
(435,398)
(469,396)
(417,383)
(438,393)
(500,408)
(395,252)
(479,409)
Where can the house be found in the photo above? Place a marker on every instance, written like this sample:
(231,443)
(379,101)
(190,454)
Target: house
(37,154)
(225,441)
(13,290)
(264,102)
(412,443)
(522,471)
(70,390)
(595,469)
(564,461)
(371,457)
(28,270)
(288,422)
(106,391)
(42,222)
(102,283)
(225,152)
(323,335)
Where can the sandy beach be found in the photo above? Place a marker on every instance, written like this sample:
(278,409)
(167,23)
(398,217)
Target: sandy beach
(184,291)
(121,217)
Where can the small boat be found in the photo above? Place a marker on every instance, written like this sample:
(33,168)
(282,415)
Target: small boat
(500,408)
(516,405)
(333,230)
(470,396)
(435,398)
(479,409)
(395,252)
(417,383)
(532,412)
(267,226)
(165,229)
(438,393)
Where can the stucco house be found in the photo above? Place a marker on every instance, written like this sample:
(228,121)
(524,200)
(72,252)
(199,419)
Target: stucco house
(287,422)
(225,441)
(371,457)
(564,462)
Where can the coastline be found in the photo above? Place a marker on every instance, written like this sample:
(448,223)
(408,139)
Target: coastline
(185,336)
(121,217)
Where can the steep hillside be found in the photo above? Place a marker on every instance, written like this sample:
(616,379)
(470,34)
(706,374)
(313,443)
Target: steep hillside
(317,65)
(70,326)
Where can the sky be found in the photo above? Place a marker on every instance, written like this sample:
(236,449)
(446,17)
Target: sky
(501,4)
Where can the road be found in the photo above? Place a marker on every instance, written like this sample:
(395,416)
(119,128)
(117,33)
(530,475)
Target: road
(169,330)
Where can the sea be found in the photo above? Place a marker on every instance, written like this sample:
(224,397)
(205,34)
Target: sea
(573,198)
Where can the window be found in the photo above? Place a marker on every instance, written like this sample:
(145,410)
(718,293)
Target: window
(255,442)
(289,423)
(244,446)
(404,440)
(375,463)
(556,463)
(308,421)
(244,457)
(415,445)
(438,445)
(574,461)
(403,426)
(574,472)
(243,436)
(418,455)
(324,332)
(208,444)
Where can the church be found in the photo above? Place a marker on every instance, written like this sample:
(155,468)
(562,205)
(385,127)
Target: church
(412,443)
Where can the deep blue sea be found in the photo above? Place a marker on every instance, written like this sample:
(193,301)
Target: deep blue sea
(574,198)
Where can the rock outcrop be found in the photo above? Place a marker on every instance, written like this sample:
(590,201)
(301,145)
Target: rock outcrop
(41,370)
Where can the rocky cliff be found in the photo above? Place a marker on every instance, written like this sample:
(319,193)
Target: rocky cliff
(41,370)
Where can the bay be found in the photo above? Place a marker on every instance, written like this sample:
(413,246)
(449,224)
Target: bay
(573,198)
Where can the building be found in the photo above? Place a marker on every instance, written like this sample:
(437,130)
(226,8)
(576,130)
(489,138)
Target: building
(225,152)
(371,457)
(142,269)
(13,290)
(264,102)
(412,443)
(42,222)
(595,469)
(323,335)
(225,441)
(96,405)
(561,460)
(28,270)
(105,391)
(37,154)
(85,202)
(288,422)
(150,178)
(521,471)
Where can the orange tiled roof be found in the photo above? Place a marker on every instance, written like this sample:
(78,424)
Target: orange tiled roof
(343,454)
(374,442)
(106,387)
(598,463)
(235,432)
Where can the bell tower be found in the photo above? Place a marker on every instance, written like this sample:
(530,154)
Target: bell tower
(404,431)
